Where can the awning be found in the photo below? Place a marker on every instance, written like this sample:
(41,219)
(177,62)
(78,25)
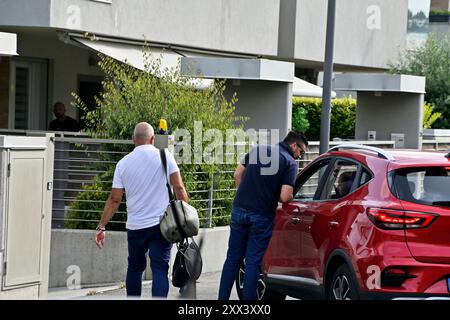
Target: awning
(302,88)
(8,44)
(132,55)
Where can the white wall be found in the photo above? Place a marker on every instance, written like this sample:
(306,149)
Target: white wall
(267,104)
(369,33)
(25,12)
(359,38)
(108,265)
(249,26)
(390,113)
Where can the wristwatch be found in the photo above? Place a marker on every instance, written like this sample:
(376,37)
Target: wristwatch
(100,228)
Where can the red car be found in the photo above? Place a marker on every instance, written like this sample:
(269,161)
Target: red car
(364,224)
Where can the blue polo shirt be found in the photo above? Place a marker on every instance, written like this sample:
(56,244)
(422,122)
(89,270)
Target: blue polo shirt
(267,168)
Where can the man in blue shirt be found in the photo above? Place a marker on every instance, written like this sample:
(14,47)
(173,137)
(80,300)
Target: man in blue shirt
(265,176)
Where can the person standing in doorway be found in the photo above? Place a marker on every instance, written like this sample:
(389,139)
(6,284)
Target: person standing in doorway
(141,175)
(252,218)
(62,121)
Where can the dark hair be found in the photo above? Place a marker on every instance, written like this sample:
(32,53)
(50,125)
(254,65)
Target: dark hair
(295,136)
(58,103)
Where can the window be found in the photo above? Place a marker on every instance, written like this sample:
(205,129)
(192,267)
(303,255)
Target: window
(21,98)
(341,179)
(427,186)
(28,94)
(365,177)
(309,182)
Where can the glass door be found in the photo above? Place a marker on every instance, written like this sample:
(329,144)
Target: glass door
(28,94)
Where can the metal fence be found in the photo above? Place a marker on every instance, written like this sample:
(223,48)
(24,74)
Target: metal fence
(79,161)
(82,162)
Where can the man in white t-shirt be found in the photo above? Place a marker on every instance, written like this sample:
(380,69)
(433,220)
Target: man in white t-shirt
(141,175)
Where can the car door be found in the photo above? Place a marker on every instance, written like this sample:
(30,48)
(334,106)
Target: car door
(325,219)
(283,256)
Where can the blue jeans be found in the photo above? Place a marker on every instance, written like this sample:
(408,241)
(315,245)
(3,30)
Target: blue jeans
(139,243)
(249,238)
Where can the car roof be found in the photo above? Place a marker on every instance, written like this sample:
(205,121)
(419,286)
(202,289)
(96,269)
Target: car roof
(403,158)
(419,158)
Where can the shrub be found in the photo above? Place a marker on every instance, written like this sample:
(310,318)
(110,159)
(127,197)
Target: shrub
(439,13)
(299,119)
(343,113)
(432,61)
(429,116)
(131,96)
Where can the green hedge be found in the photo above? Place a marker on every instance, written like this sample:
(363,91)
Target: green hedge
(439,13)
(343,113)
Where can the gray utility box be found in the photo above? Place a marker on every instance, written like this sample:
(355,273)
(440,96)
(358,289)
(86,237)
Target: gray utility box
(26,179)
(165,141)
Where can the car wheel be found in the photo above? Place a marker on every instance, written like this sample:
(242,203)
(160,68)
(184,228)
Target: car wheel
(263,292)
(343,286)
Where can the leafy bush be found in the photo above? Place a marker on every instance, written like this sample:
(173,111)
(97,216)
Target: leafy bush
(343,113)
(299,119)
(429,116)
(343,116)
(432,61)
(83,213)
(439,13)
(131,96)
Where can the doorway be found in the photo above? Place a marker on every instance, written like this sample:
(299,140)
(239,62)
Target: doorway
(28,94)
(89,87)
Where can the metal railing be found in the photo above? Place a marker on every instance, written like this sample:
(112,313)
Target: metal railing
(81,163)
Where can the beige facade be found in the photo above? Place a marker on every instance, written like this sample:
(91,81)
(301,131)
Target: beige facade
(440,5)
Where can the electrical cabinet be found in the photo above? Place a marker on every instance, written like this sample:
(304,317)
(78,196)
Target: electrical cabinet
(26,179)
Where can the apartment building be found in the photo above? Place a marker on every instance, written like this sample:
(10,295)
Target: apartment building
(55,58)
(440,17)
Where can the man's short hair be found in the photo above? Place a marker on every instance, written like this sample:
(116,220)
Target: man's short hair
(143,130)
(59,103)
(295,136)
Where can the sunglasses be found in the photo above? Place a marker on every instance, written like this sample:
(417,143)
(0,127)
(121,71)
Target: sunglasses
(302,152)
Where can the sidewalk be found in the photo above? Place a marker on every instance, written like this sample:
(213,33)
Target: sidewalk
(65,293)
(207,287)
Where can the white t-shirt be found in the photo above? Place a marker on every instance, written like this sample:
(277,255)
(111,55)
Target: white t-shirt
(141,174)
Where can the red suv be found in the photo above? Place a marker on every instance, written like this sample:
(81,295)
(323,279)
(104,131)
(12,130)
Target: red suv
(364,223)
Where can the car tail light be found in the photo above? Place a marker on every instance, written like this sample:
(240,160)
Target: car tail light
(400,219)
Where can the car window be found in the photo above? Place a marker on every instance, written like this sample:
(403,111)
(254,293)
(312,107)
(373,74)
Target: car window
(365,177)
(310,180)
(341,179)
(429,186)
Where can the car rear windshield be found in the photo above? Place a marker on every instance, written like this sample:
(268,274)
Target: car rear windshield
(427,185)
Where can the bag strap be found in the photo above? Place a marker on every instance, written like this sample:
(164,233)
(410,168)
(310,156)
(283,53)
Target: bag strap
(162,154)
(184,244)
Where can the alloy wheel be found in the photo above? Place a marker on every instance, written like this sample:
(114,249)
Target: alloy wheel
(341,288)
(261,288)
